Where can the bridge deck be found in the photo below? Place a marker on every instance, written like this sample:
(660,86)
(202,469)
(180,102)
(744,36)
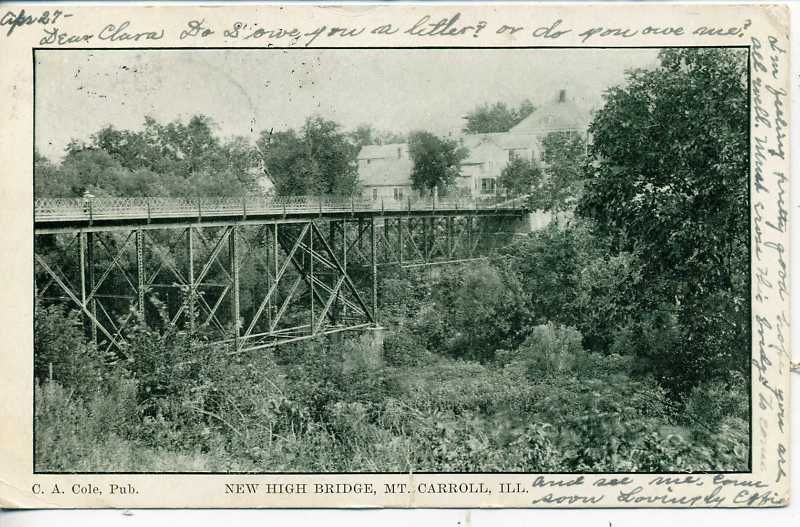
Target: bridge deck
(59,214)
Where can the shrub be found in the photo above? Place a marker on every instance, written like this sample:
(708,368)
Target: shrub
(401,348)
(605,285)
(58,346)
(73,434)
(537,453)
(431,327)
(715,400)
(549,350)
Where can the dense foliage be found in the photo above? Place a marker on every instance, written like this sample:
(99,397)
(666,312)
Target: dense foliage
(190,160)
(367,135)
(668,182)
(520,176)
(319,159)
(564,163)
(497,117)
(479,371)
(436,161)
(555,184)
(614,340)
(173,159)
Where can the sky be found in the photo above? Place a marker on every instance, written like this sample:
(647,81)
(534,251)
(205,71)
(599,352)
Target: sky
(245,91)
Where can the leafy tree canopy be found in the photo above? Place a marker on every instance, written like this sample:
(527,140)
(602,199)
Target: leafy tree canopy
(173,159)
(365,134)
(520,176)
(436,161)
(173,148)
(669,166)
(668,181)
(564,160)
(317,159)
(497,117)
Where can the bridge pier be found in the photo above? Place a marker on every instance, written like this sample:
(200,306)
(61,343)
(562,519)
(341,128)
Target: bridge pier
(366,351)
(532,222)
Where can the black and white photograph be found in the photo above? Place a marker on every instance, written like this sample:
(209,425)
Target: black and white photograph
(514,260)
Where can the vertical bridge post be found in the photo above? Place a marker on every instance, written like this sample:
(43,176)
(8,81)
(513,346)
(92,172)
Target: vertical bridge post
(344,259)
(190,267)
(400,240)
(140,272)
(374,270)
(82,263)
(311,269)
(89,244)
(233,255)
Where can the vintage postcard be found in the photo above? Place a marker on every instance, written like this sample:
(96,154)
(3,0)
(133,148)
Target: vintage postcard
(300,256)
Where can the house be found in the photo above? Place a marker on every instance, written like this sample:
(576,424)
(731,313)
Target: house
(385,170)
(561,115)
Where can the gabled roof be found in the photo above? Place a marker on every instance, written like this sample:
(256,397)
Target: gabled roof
(504,140)
(481,151)
(557,115)
(514,141)
(381,151)
(483,147)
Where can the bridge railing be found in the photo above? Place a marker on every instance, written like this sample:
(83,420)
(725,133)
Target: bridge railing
(111,208)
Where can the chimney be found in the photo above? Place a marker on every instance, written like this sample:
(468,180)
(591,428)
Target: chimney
(562,95)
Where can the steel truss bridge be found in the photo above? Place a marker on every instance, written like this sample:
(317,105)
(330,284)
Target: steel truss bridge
(247,273)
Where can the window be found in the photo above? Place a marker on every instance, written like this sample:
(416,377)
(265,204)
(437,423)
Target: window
(399,153)
(541,155)
(518,153)
(487,186)
(398,194)
(374,193)
(368,161)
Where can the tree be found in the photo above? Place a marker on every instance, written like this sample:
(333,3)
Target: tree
(482,309)
(497,117)
(174,148)
(46,179)
(89,169)
(365,134)
(436,161)
(333,158)
(547,264)
(668,180)
(319,159)
(283,158)
(129,148)
(670,163)
(520,176)
(173,159)
(241,160)
(570,278)
(564,160)
(59,349)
